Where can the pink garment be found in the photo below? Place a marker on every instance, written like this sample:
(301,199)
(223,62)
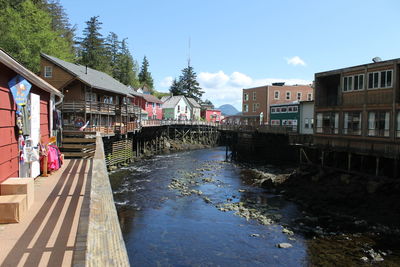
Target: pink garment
(52,159)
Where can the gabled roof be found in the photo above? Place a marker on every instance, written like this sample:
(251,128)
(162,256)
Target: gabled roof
(151,98)
(165,98)
(11,63)
(92,77)
(193,102)
(173,101)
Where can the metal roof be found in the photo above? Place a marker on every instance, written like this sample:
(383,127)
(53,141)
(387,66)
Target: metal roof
(11,63)
(193,102)
(173,101)
(92,77)
(151,98)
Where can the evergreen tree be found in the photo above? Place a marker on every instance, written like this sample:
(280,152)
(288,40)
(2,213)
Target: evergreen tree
(93,51)
(145,78)
(176,88)
(114,53)
(189,84)
(59,20)
(127,67)
(25,31)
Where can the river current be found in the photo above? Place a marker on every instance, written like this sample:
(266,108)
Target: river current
(195,209)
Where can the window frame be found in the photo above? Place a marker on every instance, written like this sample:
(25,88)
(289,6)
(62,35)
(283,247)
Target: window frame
(299,95)
(246,97)
(377,79)
(275,95)
(254,95)
(46,71)
(288,95)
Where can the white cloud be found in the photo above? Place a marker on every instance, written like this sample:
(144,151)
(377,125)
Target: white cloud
(221,88)
(296,60)
(240,79)
(166,82)
(214,80)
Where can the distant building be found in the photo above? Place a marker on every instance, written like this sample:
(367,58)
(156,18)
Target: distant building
(306,118)
(286,115)
(151,104)
(176,108)
(212,115)
(259,99)
(196,108)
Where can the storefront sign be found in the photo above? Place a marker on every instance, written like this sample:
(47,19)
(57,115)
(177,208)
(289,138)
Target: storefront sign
(20,89)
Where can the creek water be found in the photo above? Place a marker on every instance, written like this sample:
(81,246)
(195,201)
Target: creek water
(171,214)
(196,209)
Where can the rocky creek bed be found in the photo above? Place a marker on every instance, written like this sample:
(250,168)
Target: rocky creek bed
(349,220)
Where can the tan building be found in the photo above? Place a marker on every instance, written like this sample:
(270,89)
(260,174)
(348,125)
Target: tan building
(259,99)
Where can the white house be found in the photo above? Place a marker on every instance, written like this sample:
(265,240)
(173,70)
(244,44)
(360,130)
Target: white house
(176,108)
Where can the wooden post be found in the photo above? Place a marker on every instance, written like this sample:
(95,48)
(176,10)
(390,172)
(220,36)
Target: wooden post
(377,167)
(349,162)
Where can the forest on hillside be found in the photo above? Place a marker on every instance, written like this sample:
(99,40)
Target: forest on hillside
(31,27)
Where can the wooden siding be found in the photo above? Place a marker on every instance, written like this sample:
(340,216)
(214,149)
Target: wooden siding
(59,78)
(9,156)
(8,139)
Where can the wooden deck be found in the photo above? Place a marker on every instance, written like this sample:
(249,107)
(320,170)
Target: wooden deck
(47,235)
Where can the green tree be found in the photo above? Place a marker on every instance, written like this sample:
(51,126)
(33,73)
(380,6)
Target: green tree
(93,52)
(25,31)
(145,78)
(127,67)
(176,88)
(114,52)
(187,85)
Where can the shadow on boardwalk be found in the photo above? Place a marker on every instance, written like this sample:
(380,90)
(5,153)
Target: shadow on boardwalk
(47,235)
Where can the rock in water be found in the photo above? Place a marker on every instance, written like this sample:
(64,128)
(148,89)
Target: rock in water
(284,245)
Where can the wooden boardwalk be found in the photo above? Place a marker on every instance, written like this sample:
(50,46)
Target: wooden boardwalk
(47,234)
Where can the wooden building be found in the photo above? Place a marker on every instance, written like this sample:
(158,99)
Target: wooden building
(212,115)
(151,105)
(357,110)
(41,101)
(91,96)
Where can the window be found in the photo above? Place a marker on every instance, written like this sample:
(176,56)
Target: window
(283,110)
(254,95)
(255,106)
(278,110)
(290,109)
(398,124)
(91,97)
(298,95)
(382,79)
(359,82)
(352,123)
(245,108)
(246,97)
(355,83)
(295,109)
(288,95)
(273,110)
(154,105)
(378,123)
(275,122)
(309,96)
(276,95)
(306,124)
(48,71)
(328,122)
(185,109)
(179,108)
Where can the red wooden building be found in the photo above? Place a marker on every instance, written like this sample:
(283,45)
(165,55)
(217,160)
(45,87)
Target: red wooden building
(43,93)
(211,115)
(151,104)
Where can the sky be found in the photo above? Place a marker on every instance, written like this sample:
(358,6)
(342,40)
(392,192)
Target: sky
(240,44)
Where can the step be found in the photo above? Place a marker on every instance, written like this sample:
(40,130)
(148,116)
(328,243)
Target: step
(12,208)
(19,186)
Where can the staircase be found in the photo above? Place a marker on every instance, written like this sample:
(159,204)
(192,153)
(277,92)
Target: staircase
(78,144)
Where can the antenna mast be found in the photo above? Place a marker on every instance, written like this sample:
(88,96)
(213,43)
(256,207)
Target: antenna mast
(189,54)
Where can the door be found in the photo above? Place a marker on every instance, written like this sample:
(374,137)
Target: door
(35,131)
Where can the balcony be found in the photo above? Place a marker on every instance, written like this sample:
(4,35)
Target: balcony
(88,107)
